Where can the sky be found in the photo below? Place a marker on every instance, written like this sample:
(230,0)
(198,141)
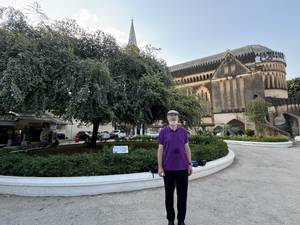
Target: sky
(191,29)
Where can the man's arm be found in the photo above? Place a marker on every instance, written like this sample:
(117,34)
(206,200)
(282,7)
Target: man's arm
(188,151)
(159,160)
(159,155)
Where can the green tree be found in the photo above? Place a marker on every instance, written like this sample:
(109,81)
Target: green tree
(142,86)
(294,87)
(33,66)
(61,68)
(191,107)
(256,110)
(52,67)
(91,85)
(89,91)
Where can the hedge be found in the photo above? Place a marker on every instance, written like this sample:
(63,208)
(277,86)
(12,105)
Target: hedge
(256,138)
(100,161)
(85,164)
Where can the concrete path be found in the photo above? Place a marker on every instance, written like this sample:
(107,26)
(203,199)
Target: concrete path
(261,187)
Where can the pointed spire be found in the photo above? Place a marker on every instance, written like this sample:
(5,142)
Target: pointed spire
(132,38)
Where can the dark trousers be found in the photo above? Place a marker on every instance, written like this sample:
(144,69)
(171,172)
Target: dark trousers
(178,179)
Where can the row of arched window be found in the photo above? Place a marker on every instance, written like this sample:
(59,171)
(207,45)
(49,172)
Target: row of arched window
(273,66)
(274,80)
(194,78)
(203,92)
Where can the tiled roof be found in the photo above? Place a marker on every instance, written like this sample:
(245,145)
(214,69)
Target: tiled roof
(249,50)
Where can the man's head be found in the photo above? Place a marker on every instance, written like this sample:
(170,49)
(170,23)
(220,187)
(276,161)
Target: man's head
(172,117)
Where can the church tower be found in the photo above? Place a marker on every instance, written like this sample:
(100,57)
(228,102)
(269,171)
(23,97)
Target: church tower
(132,38)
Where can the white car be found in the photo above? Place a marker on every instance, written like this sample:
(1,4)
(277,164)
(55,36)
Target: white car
(119,133)
(104,135)
(152,133)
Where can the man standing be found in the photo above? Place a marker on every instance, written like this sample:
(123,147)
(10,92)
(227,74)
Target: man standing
(174,165)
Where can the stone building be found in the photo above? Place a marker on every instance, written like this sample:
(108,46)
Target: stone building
(226,81)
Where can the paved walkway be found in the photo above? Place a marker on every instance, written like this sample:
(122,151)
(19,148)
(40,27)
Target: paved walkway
(261,187)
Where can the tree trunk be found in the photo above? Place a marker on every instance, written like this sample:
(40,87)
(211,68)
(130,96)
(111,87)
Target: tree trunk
(95,134)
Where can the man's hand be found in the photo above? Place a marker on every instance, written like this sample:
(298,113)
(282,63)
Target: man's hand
(190,170)
(161,172)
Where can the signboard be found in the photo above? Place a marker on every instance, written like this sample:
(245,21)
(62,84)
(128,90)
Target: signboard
(120,149)
(269,56)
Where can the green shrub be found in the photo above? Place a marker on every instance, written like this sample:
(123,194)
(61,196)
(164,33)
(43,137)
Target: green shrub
(249,132)
(274,138)
(143,138)
(259,139)
(82,148)
(99,161)
(200,139)
(207,147)
(131,144)
(85,164)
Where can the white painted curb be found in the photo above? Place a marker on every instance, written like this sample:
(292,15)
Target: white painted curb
(283,144)
(92,185)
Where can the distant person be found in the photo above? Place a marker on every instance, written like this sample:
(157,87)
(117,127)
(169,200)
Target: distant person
(174,165)
(46,135)
(16,140)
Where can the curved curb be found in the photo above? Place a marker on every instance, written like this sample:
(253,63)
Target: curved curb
(286,144)
(92,185)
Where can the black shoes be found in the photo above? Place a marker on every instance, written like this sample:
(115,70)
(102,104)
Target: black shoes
(179,223)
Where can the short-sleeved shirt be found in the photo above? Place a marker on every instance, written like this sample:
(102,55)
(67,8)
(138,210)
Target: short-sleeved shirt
(174,154)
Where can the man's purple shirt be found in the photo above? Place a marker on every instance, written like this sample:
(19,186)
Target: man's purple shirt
(174,154)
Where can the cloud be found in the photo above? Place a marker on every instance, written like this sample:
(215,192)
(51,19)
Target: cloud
(120,36)
(17,4)
(86,19)
(90,21)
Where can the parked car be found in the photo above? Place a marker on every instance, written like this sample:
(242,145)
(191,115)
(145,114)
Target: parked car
(104,135)
(90,133)
(83,136)
(236,131)
(219,131)
(152,133)
(118,134)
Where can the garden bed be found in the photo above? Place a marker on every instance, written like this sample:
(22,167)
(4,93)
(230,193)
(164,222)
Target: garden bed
(265,141)
(79,160)
(91,185)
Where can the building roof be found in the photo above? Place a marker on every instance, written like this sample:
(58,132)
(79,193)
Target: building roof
(244,54)
(132,38)
(43,117)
